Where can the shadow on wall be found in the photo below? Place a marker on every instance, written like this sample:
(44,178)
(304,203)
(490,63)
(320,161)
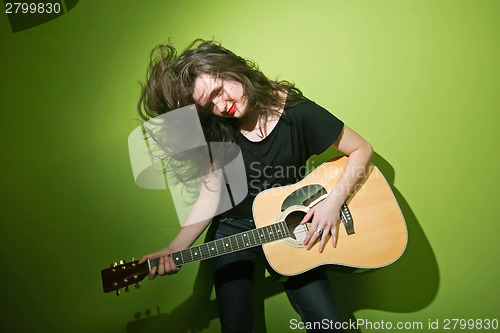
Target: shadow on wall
(408,285)
(390,289)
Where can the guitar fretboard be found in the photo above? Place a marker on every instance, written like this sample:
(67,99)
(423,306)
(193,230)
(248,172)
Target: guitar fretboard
(229,244)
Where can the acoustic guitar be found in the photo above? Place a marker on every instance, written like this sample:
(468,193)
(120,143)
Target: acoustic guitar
(372,234)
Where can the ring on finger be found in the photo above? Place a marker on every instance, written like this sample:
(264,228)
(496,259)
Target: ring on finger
(319,231)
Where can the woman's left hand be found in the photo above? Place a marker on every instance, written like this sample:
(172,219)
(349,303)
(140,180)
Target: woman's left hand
(325,215)
(324,218)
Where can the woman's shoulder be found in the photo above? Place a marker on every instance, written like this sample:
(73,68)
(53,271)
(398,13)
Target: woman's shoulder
(306,111)
(300,105)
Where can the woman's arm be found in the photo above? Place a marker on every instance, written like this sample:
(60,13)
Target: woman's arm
(194,225)
(325,215)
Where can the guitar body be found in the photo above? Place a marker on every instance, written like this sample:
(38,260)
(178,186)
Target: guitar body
(380,235)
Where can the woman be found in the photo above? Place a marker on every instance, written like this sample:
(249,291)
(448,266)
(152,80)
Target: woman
(276,129)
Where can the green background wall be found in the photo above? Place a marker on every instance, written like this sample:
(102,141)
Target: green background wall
(419,79)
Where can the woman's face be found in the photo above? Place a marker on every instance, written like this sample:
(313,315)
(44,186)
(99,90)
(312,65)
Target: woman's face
(226,96)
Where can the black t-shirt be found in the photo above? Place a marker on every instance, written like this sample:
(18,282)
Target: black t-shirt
(303,130)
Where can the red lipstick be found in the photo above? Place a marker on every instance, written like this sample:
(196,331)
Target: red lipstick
(232,109)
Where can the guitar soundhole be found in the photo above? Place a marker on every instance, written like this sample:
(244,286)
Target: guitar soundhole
(297,231)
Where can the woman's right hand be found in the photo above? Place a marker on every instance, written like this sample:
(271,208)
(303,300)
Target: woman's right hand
(166,265)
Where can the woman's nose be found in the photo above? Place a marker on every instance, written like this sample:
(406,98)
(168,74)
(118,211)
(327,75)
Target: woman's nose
(220,103)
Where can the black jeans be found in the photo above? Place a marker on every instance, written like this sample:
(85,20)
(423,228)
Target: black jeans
(309,293)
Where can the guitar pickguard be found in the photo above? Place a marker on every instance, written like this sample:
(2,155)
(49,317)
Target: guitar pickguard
(294,208)
(303,196)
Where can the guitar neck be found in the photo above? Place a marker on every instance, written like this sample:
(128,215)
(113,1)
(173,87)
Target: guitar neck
(233,243)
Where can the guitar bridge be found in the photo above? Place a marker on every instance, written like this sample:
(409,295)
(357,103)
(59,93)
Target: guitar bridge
(346,217)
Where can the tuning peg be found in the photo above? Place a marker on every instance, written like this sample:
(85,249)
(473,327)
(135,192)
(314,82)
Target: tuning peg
(137,285)
(122,262)
(114,264)
(132,259)
(126,289)
(117,292)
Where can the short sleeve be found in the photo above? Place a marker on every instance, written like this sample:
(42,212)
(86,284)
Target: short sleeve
(319,128)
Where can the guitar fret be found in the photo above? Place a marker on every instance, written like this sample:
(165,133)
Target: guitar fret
(202,254)
(179,258)
(187,255)
(213,249)
(231,243)
(255,239)
(227,244)
(195,252)
(191,253)
(272,233)
(246,240)
(251,237)
(239,241)
(279,232)
(182,257)
(267,234)
(153,262)
(262,235)
(220,246)
(277,228)
(208,254)
(284,230)
(276,233)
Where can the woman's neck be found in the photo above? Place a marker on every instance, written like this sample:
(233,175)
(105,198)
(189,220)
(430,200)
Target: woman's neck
(256,125)
(250,121)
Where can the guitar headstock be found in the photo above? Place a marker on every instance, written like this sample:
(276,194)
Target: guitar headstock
(123,275)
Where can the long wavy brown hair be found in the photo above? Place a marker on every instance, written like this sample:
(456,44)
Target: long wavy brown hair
(169,85)
(170,80)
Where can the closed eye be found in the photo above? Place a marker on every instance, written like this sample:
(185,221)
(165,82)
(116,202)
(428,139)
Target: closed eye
(206,102)
(215,93)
